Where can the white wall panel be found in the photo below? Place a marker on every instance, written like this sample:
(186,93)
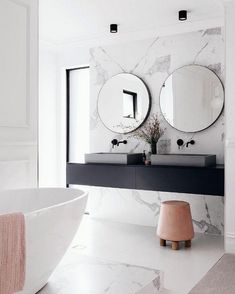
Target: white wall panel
(14,60)
(18,93)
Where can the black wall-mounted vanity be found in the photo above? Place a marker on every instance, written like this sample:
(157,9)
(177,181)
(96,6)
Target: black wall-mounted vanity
(180,179)
(191,180)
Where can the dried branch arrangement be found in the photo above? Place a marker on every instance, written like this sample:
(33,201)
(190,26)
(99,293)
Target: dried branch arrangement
(150,132)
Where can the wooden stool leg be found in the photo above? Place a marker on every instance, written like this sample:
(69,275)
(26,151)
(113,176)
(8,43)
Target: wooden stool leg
(162,242)
(175,245)
(187,243)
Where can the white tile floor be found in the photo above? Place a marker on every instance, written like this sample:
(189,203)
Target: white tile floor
(137,245)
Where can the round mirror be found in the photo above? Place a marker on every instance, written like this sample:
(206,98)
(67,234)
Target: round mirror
(192,98)
(123,103)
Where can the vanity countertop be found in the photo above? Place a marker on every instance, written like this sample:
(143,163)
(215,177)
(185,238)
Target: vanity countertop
(217,166)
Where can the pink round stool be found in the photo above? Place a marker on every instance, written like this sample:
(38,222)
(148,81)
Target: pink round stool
(175,223)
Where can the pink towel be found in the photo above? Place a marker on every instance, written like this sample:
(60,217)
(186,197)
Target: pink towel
(12,253)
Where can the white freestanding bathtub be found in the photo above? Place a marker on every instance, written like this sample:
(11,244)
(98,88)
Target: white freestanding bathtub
(52,217)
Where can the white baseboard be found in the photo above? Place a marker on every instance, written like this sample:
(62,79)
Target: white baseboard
(230,243)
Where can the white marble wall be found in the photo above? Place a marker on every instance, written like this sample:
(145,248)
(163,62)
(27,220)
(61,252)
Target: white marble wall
(143,207)
(153,60)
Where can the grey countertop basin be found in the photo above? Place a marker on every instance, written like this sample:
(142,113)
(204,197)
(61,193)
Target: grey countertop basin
(113,158)
(202,160)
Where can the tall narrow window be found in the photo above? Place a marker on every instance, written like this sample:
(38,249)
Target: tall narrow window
(77,114)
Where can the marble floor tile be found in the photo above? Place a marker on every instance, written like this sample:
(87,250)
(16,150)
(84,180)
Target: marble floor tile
(80,274)
(100,241)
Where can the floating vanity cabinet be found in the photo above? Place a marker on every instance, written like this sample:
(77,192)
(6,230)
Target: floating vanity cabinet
(192,180)
(104,175)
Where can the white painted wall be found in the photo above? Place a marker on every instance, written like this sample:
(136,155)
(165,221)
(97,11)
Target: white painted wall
(19,93)
(230,129)
(52,115)
(48,150)
(71,57)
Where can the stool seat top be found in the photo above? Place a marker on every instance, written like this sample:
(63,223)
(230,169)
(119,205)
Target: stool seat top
(175,203)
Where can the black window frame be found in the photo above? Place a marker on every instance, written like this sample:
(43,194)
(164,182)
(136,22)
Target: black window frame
(68,71)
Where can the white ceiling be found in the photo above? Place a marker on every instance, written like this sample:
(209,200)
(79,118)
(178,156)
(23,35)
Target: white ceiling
(64,21)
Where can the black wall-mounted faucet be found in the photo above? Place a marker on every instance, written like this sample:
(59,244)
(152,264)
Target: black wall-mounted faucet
(192,142)
(115,142)
(181,143)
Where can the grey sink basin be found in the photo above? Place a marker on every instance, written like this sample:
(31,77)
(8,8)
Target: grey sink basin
(183,159)
(116,158)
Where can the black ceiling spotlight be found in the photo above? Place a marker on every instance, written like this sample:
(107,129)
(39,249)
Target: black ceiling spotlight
(183,15)
(113,28)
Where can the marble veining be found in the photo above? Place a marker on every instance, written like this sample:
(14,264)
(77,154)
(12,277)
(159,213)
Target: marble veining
(213,31)
(161,64)
(199,52)
(206,227)
(153,60)
(145,55)
(91,275)
(143,207)
(216,68)
(103,251)
(112,60)
(101,75)
(153,206)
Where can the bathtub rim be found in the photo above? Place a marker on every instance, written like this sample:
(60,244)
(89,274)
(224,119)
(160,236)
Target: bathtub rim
(84,194)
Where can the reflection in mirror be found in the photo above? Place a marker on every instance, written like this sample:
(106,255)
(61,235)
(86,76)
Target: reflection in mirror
(129,104)
(123,103)
(192,98)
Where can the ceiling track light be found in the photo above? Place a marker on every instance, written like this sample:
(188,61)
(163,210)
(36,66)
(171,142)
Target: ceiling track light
(113,28)
(183,15)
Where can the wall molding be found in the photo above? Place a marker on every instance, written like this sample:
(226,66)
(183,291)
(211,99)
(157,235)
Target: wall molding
(17,143)
(135,35)
(227,1)
(26,122)
(25,161)
(230,235)
(230,243)
(230,143)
